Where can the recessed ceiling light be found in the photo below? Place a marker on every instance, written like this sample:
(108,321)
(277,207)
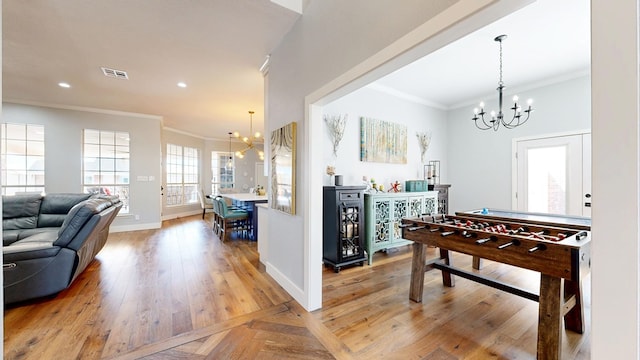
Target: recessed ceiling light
(182,85)
(64,85)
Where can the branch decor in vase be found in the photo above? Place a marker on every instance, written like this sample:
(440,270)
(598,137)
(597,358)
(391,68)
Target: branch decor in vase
(424,139)
(336,125)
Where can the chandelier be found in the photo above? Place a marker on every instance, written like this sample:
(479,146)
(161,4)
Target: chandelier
(497,119)
(249,141)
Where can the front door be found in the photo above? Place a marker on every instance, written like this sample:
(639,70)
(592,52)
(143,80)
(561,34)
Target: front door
(554,175)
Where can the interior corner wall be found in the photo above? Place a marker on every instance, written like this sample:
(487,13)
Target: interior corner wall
(371,103)
(63,149)
(476,167)
(328,40)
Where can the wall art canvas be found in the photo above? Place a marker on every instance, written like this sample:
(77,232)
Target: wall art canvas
(382,141)
(283,169)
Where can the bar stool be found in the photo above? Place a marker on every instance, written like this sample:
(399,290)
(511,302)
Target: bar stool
(216,216)
(231,219)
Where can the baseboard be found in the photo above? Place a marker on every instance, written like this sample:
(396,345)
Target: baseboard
(134,227)
(290,287)
(181,215)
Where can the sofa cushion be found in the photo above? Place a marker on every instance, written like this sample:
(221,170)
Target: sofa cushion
(20,211)
(55,207)
(10,236)
(13,235)
(37,242)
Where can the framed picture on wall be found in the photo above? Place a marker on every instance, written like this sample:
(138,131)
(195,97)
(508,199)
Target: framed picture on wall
(283,165)
(383,141)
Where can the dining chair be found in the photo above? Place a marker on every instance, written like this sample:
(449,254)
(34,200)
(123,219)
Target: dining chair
(205,203)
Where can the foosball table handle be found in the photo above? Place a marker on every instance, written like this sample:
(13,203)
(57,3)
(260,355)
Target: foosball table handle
(415,228)
(581,235)
(515,242)
(540,247)
(485,240)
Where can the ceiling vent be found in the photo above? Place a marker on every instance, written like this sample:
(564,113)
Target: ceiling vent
(118,74)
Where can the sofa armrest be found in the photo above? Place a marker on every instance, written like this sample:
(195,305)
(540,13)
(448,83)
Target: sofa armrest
(78,217)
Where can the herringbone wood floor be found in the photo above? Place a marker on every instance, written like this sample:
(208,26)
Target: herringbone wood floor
(180,293)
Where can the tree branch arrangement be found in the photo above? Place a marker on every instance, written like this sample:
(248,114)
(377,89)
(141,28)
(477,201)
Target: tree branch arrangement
(336,125)
(424,139)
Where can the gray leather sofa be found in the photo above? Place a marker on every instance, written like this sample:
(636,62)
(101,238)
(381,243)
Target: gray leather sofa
(49,240)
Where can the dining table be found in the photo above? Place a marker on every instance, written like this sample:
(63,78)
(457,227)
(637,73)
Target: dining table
(248,201)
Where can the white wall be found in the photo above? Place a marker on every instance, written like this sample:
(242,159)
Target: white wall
(367,102)
(480,161)
(63,161)
(328,40)
(63,154)
(616,164)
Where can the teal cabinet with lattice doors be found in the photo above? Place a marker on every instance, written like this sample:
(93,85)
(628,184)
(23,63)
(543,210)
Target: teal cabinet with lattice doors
(383,215)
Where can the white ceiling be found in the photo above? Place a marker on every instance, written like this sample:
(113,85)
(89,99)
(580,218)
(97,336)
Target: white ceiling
(546,41)
(217,47)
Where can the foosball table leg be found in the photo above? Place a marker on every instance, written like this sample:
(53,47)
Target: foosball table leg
(477,263)
(447,278)
(574,307)
(550,318)
(418,267)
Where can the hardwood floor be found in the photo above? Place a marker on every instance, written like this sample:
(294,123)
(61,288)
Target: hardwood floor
(180,293)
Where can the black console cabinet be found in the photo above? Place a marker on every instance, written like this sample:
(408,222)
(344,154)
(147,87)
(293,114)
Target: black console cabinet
(343,226)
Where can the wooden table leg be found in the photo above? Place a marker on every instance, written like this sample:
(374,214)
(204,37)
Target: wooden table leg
(574,318)
(550,318)
(447,278)
(477,263)
(418,268)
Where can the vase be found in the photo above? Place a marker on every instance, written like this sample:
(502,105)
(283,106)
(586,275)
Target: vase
(338,180)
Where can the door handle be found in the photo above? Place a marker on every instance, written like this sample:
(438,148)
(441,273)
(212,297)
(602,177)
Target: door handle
(588,196)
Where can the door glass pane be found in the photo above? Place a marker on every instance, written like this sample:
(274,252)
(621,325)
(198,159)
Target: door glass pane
(547,180)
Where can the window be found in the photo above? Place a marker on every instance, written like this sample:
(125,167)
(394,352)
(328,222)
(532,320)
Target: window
(222,166)
(182,175)
(106,164)
(22,158)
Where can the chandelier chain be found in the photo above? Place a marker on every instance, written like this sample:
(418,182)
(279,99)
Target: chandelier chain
(500,83)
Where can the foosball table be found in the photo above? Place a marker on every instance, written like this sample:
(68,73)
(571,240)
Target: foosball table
(558,247)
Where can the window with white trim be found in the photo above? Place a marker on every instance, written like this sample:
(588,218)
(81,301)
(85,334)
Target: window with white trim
(222,167)
(182,175)
(106,160)
(22,158)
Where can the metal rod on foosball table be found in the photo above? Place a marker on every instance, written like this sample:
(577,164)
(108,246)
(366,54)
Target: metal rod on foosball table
(540,247)
(485,240)
(515,242)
